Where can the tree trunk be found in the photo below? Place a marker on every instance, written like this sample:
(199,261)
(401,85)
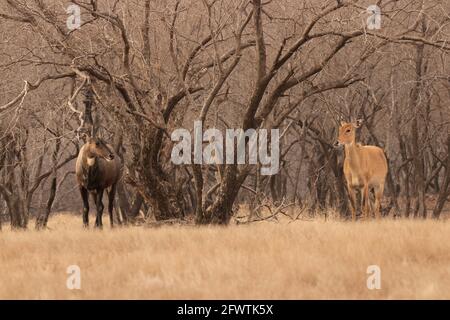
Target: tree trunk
(42,219)
(136,207)
(16,212)
(124,204)
(444,189)
(220,211)
(340,185)
(406,183)
(154,185)
(1,218)
(393,203)
(419,179)
(420,208)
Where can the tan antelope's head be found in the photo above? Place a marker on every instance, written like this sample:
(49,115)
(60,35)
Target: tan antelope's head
(347,132)
(95,147)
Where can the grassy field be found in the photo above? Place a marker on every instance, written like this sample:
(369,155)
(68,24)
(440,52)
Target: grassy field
(299,260)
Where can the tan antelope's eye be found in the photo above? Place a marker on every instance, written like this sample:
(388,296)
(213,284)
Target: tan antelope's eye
(347,131)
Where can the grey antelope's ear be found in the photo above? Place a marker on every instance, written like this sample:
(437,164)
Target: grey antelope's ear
(83,135)
(91,130)
(358,123)
(88,138)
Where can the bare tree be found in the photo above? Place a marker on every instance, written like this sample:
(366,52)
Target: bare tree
(296,67)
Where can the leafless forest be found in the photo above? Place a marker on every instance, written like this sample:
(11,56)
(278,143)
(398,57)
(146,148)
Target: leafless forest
(154,66)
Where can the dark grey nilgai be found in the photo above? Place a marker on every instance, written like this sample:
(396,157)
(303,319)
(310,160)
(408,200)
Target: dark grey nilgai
(97,168)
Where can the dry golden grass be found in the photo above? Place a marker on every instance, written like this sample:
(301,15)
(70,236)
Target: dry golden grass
(300,260)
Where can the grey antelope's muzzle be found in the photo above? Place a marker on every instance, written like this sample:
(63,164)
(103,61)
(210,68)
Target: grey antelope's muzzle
(110,155)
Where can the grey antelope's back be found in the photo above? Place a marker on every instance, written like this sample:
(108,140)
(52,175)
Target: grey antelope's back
(97,168)
(365,167)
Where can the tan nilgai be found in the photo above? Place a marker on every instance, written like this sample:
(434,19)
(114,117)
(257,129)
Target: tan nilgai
(365,167)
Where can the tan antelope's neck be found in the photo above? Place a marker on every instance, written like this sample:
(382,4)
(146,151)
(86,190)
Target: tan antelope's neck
(351,152)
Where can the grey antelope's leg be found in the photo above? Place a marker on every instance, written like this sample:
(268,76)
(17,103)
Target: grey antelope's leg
(99,204)
(352,200)
(111,195)
(378,190)
(85,197)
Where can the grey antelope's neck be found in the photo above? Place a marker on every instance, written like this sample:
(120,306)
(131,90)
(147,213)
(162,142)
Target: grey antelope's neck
(90,161)
(90,171)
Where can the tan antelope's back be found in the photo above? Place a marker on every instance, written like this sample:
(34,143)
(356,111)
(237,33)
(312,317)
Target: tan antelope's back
(372,164)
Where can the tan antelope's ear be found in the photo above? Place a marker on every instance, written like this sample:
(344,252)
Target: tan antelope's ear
(86,137)
(358,123)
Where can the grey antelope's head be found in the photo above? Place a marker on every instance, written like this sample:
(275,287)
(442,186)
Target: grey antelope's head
(95,147)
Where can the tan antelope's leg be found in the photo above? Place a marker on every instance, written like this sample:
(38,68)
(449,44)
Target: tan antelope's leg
(370,210)
(361,201)
(378,196)
(366,201)
(352,201)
